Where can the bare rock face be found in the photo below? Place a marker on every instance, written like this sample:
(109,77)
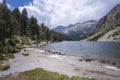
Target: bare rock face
(101,23)
(107,26)
(111,19)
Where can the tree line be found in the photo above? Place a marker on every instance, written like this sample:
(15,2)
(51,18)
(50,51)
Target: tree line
(15,23)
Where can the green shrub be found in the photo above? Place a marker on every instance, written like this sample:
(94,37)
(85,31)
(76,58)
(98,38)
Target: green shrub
(5,50)
(1,47)
(6,56)
(25,41)
(17,50)
(10,56)
(25,54)
(2,57)
(5,67)
(8,49)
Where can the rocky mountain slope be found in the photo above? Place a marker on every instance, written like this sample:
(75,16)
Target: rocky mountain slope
(108,27)
(78,30)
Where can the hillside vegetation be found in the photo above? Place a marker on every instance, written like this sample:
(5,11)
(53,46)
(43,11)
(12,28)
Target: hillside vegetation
(108,24)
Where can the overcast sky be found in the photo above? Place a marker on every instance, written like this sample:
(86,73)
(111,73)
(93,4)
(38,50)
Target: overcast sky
(65,12)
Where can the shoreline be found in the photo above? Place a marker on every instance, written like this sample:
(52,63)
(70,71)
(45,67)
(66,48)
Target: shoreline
(68,65)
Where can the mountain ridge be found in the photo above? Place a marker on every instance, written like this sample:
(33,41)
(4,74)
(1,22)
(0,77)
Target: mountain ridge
(77,30)
(108,24)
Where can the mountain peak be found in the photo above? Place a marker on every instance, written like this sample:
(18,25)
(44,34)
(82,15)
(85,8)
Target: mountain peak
(77,30)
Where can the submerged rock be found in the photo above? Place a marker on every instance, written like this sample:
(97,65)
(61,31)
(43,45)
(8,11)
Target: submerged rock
(103,61)
(48,51)
(87,59)
(59,53)
(118,66)
(80,59)
(113,63)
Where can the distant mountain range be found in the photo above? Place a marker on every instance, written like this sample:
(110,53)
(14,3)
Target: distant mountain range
(108,27)
(77,30)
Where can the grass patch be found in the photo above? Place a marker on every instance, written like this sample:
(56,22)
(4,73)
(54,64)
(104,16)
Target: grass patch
(10,56)
(2,57)
(6,56)
(5,67)
(41,74)
(25,54)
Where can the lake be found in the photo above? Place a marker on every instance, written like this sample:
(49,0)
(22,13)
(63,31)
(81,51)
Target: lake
(106,50)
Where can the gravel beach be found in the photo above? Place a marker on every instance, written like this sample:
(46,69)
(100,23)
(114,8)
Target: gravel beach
(68,65)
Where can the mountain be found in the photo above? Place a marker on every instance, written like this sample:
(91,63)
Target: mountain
(59,29)
(108,27)
(78,30)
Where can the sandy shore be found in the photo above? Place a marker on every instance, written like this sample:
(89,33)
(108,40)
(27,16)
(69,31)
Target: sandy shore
(68,65)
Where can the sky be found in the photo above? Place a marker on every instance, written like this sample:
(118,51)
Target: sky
(64,12)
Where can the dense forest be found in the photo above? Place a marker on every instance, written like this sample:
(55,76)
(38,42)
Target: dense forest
(16,29)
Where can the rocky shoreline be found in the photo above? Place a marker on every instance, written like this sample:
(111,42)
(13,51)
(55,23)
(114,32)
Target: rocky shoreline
(87,58)
(61,63)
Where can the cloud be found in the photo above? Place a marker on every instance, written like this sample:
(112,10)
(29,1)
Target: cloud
(65,12)
(10,7)
(1,1)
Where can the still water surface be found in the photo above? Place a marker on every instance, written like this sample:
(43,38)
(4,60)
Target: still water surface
(108,50)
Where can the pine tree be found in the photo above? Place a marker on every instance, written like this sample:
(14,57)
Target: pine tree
(8,23)
(23,22)
(16,13)
(32,28)
(24,13)
(4,22)
(4,5)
